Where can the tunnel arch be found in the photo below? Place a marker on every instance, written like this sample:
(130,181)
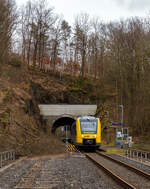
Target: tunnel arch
(62,121)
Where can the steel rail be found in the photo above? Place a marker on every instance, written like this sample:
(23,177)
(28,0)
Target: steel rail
(132,168)
(118,179)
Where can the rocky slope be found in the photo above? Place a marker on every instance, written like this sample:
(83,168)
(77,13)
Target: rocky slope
(21,90)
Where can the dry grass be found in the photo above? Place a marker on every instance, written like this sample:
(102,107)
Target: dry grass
(145,147)
(47,144)
(111,149)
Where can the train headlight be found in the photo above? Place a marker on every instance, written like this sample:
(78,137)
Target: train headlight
(83,136)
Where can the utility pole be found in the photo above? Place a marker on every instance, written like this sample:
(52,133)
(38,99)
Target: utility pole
(122,115)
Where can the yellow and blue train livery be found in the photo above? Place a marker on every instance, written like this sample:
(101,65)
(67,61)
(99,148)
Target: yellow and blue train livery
(86,132)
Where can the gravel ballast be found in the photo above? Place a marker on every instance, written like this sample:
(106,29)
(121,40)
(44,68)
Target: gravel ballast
(11,176)
(71,172)
(129,176)
(137,164)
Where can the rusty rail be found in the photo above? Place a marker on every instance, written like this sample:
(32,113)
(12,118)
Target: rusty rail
(132,168)
(118,179)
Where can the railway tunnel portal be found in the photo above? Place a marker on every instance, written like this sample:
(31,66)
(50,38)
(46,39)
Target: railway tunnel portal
(61,116)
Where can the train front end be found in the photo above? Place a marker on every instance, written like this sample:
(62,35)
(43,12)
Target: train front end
(88,132)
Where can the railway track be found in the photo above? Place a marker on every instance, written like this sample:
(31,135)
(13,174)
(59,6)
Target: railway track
(125,175)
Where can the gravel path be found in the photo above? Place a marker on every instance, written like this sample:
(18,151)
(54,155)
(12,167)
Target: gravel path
(124,173)
(73,172)
(11,176)
(137,164)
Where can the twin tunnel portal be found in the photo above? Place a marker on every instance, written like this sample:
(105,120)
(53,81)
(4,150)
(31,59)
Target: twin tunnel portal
(60,116)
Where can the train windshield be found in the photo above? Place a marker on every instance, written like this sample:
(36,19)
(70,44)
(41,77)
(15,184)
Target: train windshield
(88,126)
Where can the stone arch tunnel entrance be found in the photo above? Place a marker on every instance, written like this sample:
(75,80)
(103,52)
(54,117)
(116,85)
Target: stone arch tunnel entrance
(62,122)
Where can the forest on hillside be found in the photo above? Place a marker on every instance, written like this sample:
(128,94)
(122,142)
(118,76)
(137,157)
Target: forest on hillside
(116,53)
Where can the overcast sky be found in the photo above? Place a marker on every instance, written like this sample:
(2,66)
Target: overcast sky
(106,10)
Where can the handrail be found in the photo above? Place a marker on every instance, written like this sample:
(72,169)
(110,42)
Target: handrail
(6,157)
(138,154)
(137,150)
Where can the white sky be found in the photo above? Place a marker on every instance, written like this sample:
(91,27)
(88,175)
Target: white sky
(106,10)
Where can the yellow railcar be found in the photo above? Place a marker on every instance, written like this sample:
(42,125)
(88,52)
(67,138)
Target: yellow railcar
(86,132)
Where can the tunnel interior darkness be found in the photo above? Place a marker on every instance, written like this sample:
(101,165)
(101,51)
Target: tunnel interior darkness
(63,121)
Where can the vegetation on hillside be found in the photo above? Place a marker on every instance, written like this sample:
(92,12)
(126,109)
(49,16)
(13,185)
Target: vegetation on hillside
(21,126)
(115,54)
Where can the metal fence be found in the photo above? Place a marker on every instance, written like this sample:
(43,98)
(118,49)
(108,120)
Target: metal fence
(138,154)
(7,156)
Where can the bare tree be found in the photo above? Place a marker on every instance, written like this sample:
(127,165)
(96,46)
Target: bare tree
(81,31)
(37,21)
(66,33)
(55,43)
(8,21)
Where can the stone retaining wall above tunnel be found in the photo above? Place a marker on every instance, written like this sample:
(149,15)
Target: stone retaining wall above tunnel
(74,110)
